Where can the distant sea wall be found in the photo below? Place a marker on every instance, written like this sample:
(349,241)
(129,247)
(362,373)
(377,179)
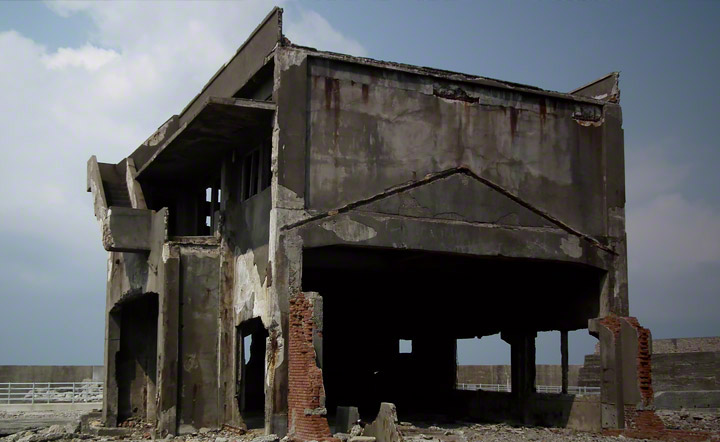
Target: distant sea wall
(51,373)
(500,374)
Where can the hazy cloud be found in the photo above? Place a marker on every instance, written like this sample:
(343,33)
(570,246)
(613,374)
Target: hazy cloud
(143,62)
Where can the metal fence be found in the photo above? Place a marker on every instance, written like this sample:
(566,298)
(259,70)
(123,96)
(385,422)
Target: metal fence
(540,388)
(51,392)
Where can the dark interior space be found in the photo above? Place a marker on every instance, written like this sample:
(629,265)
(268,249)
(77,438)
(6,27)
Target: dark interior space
(195,202)
(373,298)
(252,337)
(137,359)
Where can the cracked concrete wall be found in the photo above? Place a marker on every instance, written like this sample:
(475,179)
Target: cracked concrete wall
(373,129)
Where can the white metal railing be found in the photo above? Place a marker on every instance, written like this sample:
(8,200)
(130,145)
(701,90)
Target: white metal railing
(540,388)
(50,392)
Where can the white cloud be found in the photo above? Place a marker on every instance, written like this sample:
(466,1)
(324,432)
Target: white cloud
(314,31)
(146,62)
(673,247)
(89,57)
(651,173)
(143,62)
(671,233)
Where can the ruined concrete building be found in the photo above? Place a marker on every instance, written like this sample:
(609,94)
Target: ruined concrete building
(271,244)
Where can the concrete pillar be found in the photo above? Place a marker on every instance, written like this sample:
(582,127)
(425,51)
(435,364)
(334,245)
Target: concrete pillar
(438,358)
(564,356)
(112,347)
(167,348)
(522,369)
(522,361)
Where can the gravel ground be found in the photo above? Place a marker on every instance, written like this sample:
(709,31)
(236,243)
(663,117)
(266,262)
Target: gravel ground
(690,420)
(462,432)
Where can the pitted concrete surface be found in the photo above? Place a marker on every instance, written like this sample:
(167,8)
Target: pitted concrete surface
(25,421)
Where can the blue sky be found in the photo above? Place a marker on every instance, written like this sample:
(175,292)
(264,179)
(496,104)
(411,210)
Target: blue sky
(98,78)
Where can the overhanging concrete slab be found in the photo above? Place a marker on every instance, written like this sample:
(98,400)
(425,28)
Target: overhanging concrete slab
(221,123)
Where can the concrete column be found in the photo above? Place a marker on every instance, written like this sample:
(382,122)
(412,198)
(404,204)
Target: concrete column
(112,347)
(564,356)
(522,369)
(167,348)
(522,360)
(438,357)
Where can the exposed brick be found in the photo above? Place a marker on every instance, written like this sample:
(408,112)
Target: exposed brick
(305,382)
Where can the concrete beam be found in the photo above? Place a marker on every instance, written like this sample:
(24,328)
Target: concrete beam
(127,230)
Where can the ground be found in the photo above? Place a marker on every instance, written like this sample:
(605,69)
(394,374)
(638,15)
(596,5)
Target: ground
(45,427)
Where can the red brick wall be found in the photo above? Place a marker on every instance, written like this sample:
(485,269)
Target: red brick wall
(306,390)
(644,367)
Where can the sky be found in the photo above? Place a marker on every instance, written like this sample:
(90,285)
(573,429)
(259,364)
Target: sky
(80,79)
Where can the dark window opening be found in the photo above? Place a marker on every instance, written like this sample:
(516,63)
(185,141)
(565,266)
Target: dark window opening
(208,210)
(255,171)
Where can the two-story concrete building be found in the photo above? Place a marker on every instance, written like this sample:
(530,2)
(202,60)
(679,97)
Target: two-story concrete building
(271,244)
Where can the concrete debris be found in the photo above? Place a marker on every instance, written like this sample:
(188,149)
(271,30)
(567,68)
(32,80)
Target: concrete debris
(385,427)
(362,439)
(268,438)
(356,430)
(690,420)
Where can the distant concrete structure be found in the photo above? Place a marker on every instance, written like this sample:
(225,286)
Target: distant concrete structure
(271,244)
(545,374)
(685,372)
(51,373)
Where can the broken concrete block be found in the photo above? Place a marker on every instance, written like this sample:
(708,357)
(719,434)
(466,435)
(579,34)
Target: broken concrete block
(268,438)
(362,439)
(385,427)
(345,418)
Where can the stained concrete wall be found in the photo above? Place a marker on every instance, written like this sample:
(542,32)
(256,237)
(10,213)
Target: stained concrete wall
(372,129)
(686,371)
(198,376)
(500,374)
(50,373)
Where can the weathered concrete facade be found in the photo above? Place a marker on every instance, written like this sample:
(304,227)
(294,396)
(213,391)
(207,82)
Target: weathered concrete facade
(324,207)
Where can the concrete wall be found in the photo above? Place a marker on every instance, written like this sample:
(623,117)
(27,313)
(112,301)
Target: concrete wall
(50,373)
(686,371)
(677,365)
(500,374)
(686,345)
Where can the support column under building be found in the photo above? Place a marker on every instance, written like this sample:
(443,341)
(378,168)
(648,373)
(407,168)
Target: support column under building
(564,356)
(522,367)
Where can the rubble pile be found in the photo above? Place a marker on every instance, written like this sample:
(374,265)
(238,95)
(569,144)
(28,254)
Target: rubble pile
(137,430)
(690,420)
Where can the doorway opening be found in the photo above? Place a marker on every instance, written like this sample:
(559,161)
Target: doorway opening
(251,341)
(136,362)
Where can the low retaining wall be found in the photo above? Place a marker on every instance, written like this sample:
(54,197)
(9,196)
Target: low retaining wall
(500,374)
(82,406)
(50,373)
(675,400)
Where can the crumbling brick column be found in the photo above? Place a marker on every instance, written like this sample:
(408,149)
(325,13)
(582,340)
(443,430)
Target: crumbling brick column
(626,380)
(306,395)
